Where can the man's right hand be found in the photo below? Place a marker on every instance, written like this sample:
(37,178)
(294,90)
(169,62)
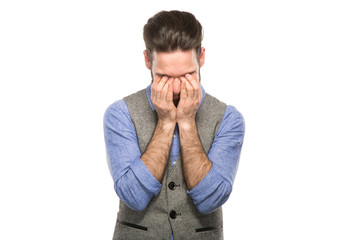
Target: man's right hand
(156,156)
(162,99)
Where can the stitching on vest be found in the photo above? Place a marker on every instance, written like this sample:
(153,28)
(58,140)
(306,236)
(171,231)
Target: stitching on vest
(208,228)
(133,225)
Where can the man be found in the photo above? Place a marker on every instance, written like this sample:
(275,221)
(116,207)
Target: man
(172,149)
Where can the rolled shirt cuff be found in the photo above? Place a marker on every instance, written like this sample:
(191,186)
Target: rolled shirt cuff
(145,177)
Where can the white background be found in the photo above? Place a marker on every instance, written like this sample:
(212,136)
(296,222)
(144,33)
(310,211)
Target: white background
(290,67)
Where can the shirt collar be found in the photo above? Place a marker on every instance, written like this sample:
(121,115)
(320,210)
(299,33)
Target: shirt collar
(148,94)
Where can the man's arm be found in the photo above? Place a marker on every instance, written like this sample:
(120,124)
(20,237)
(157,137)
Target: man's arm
(195,162)
(133,182)
(156,155)
(215,188)
(137,178)
(209,178)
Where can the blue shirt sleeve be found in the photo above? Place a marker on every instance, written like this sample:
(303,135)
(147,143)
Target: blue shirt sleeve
(215,188)
(133,182)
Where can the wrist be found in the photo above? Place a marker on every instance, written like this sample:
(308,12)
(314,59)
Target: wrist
(187,124)
(166,125)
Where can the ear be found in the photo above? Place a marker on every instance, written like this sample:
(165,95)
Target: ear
(147,60)
(202,57)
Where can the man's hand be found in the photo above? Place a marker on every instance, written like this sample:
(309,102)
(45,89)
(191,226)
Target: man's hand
(190,98)
(157,153)
(194,160)
(162,99)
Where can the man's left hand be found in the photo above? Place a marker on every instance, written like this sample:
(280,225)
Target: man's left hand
(190,98)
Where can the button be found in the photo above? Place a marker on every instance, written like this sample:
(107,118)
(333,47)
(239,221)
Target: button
(172,186)
(173,214)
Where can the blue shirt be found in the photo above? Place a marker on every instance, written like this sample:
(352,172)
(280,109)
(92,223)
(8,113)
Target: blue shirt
(136,186)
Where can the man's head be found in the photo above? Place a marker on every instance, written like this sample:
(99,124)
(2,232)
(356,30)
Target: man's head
(173,46)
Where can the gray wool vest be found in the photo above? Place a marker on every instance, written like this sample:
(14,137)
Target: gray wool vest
(173,209)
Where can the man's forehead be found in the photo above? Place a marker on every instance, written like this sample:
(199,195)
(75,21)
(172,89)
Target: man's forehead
(175,64)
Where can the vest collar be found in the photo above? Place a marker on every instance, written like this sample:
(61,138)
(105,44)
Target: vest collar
(148,94)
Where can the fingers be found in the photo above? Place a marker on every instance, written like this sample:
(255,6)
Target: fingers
(169,95)
(195,85)
(157,88)
(194,82)
(192,87)
(153,87)
(183,92)
(162,84)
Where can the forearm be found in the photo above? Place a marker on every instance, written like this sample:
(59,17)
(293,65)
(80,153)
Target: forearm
(194,160)
(156,155)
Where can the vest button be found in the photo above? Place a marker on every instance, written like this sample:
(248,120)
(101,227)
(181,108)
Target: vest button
(172,214)
(172,186)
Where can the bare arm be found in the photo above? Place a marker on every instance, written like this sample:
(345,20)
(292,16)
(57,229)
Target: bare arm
(195,162)
(156,155)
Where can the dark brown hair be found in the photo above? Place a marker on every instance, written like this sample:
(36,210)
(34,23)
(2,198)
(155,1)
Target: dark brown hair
(169,31)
